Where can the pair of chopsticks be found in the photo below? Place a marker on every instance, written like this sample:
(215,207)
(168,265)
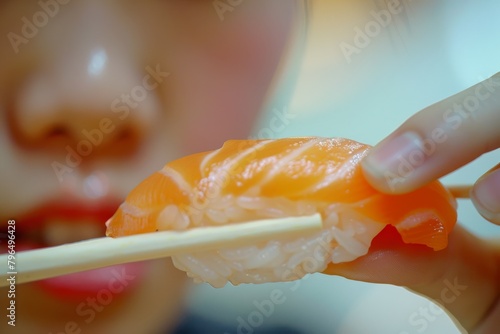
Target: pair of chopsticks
(96,253)
(460,191)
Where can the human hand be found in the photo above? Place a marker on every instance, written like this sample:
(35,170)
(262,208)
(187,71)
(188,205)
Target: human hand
(465,277)
(441,139)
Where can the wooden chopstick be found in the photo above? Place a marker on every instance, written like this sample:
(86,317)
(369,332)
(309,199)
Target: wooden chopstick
(460,191)
(90,254)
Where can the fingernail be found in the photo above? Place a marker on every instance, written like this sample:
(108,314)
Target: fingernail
(486,196)
(395,159)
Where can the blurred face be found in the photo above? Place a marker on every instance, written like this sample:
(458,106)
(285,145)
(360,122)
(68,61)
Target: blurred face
(96,95)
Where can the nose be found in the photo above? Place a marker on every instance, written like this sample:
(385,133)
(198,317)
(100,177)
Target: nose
(87,90)
(89,101)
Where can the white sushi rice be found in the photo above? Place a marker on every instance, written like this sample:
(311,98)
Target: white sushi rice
(346,236)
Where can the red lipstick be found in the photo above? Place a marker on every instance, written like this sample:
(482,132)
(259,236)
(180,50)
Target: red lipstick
(66,220)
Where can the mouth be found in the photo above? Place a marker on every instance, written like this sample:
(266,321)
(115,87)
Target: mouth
(66,221)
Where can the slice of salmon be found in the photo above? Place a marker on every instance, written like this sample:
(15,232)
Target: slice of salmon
(269,177)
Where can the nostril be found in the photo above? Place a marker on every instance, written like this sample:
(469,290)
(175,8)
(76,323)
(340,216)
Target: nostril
(125,141)
(125,135)
(57,132)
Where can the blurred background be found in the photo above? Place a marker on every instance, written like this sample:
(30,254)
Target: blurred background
(339,83)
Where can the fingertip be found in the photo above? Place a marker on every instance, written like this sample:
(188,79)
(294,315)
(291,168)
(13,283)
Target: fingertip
(387,166)
(375,178)
(485,196)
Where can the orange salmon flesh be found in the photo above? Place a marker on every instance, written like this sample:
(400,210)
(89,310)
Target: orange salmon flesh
(313,171)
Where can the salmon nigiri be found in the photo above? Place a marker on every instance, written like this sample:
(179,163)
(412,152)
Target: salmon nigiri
(247,180)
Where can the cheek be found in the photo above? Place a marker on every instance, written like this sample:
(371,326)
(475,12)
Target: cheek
(224,81)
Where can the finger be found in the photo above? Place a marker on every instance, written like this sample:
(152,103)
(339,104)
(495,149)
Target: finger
(437,140)
(486,195)
(467,266)
(392,261)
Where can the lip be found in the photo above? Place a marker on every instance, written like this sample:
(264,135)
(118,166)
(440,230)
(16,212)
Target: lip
(94,213)
(69,209)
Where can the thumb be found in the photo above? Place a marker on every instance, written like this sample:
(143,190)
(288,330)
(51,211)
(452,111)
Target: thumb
(486,195)
(437,140)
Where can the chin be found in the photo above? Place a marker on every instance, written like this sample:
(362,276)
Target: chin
(152,305)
